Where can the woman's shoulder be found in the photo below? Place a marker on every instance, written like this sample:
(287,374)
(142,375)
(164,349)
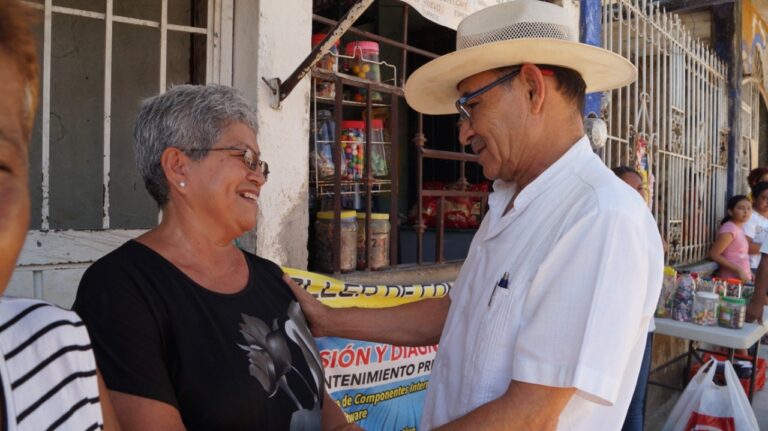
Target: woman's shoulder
(14,309)
(264,264)
(125,258)
(23,317)
(730,227)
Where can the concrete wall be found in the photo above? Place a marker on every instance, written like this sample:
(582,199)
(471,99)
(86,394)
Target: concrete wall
(271,39)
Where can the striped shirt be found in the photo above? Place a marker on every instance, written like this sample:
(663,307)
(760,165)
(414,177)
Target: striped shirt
(47,368)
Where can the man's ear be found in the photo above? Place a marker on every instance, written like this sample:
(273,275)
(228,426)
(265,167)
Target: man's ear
(175,165)
(535,87)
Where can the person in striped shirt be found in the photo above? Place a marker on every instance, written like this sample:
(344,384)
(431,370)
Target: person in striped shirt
(48,376)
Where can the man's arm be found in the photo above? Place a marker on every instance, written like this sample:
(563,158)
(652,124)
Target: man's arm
(756,304)
(415,324)
(524,406)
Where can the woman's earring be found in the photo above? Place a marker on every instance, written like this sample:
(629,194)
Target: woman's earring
(183,184)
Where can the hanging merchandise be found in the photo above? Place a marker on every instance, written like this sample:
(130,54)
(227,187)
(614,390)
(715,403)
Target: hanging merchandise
(324,136)
(706,406)
(643,167)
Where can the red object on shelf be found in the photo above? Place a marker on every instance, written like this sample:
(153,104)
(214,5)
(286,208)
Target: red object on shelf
(759,379)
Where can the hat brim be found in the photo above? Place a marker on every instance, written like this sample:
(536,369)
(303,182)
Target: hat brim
(432,89)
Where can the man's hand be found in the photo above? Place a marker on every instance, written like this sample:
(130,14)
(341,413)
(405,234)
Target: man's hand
(523,407)
(745,276)
(315,312)
(417,323)
(755,311)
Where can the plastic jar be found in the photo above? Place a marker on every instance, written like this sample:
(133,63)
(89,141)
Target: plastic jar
(324,250)
(733,287)
(379,149)
(705,306)
(379,240)
(324,136)
(747,291)
(719,285)
(352,149)
(329,62)
(682,307)
(364,64)
(732,312)
(668,286)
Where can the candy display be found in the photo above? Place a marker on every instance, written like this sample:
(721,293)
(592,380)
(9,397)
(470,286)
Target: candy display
(379,241)
(668,286)
(705,284)
(323,152)
(329,63)
(352,149)
(733,287)
(719,286)
(323,252)
(682,304)
(705,306)
(732,312)
(379,149)
(364,65)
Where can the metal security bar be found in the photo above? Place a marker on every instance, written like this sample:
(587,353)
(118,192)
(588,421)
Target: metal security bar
(750,129)
(671,124)
(218,69)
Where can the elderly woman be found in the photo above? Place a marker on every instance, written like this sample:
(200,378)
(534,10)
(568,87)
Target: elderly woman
(189,331)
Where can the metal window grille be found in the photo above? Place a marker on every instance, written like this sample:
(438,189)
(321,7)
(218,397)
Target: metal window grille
(671,123)
(215,71)
(74,249)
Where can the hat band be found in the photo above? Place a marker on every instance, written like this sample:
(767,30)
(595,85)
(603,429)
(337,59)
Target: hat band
(520,30)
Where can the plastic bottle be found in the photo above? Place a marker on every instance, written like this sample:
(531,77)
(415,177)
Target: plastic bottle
(682,308)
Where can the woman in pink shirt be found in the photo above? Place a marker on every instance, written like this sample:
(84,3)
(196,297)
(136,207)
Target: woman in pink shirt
(731,249)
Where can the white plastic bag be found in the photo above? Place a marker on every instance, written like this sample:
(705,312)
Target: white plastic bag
(705,406)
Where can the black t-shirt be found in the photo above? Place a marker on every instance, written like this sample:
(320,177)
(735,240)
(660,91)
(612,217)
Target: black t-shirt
(243,361)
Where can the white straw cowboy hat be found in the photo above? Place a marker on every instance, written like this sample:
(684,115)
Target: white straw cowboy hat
(509,34)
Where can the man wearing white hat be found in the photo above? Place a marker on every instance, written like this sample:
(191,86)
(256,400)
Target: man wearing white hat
(546,324)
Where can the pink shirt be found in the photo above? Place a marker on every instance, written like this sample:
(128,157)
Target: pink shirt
(737,251)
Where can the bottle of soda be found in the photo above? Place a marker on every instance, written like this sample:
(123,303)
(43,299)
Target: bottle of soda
(682,306)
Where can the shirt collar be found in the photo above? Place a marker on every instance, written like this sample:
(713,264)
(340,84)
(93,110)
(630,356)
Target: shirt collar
(504,191)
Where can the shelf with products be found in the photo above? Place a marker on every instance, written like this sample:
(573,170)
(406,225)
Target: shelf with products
(351,169)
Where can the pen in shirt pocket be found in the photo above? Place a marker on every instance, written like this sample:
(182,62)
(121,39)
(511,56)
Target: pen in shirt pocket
(503,281)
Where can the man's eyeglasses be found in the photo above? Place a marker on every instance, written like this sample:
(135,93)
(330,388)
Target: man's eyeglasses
(461,102)
(250,159)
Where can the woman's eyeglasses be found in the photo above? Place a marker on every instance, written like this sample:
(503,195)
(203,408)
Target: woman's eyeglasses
(250,159)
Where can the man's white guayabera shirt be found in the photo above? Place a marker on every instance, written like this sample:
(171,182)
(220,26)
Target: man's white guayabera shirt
(585,266)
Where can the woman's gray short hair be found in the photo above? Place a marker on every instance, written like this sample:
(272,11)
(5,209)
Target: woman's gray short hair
(185,117)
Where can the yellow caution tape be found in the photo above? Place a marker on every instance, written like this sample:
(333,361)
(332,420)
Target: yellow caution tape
(339,294)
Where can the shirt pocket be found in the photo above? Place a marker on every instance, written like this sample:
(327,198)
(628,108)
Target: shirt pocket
(495,348)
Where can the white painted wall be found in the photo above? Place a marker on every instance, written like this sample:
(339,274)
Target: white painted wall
(272,38)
